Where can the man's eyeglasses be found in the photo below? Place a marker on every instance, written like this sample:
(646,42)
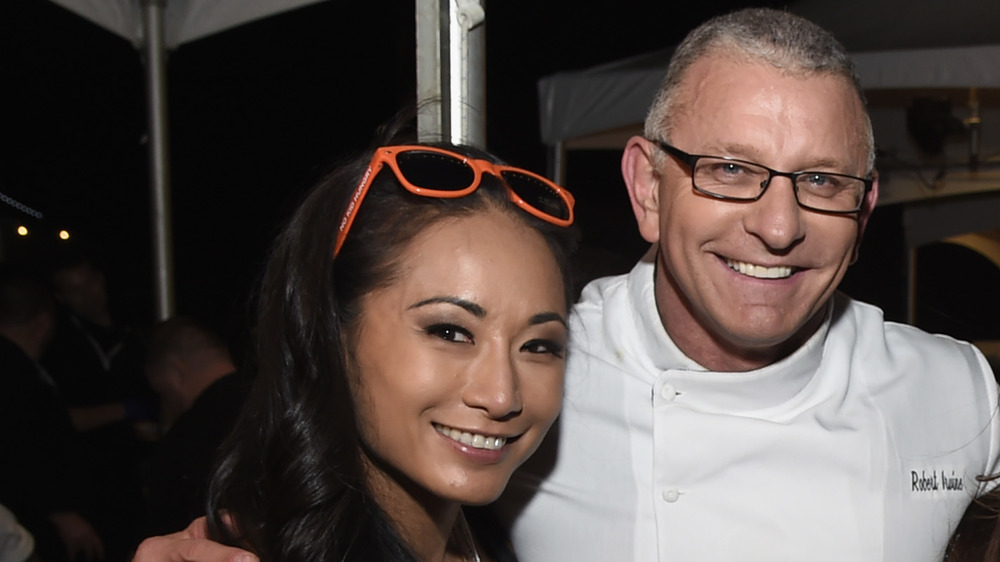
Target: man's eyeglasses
(436,172)
(730,179)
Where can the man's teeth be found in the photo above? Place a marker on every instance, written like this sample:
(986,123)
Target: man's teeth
(759,271)
(474,440)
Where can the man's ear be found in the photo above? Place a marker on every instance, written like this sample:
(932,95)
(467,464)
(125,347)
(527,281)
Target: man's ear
(867,208)
(642,179)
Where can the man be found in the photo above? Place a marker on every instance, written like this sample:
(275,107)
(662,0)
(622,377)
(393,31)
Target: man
(201,395)
(97,365)
(96,361)
(723,402)
(37,480)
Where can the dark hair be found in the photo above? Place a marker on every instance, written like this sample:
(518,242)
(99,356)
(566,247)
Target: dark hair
(292,476)
(977,537)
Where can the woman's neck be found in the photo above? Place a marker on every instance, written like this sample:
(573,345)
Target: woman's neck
(432,527)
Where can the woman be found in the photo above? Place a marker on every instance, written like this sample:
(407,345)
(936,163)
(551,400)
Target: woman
(410,356)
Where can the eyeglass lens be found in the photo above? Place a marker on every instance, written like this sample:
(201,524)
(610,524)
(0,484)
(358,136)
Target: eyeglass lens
(746,181)
(431,170)
(537,193)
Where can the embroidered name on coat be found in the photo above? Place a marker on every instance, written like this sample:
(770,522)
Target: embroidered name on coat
(936,481)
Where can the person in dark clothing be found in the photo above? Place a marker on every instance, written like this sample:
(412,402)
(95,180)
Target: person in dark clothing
(201,394)
(96,361)
(96,364)
(38,482)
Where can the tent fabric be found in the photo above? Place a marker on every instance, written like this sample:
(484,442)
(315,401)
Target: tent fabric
(574,104)
(185,20)
(945,67)
(875,25)
(614,95)
(932,43)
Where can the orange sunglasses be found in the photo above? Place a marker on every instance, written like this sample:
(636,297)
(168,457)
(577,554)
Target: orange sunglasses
(437,172)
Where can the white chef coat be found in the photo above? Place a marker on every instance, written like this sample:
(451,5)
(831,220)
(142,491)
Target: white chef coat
(864,444)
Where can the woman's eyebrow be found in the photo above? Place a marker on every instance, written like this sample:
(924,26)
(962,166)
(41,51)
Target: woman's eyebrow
(471,307)
(544,317)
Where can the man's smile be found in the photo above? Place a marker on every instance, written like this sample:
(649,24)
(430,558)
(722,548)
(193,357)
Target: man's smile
(759,271)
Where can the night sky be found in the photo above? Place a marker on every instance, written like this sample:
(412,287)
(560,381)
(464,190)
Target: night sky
(259,111)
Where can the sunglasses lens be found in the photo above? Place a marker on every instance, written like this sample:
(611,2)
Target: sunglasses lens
(538,194)
(430,170)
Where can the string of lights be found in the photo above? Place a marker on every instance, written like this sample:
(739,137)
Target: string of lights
(20,206)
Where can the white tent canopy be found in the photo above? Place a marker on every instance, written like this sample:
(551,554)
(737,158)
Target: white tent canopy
(184,20)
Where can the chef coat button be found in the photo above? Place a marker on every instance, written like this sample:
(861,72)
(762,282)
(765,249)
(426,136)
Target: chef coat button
(668,392)
(671,495)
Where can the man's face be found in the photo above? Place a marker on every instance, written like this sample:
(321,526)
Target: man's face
(791,259)
(81,288)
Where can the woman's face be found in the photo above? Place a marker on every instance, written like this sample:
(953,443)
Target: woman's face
(459,363)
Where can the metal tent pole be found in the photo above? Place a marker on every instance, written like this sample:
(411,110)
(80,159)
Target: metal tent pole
(159,157)
(451,71)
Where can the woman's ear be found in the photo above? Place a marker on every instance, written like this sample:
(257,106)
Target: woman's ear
(642,179)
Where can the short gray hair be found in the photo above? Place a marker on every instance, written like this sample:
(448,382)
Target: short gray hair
(778,38)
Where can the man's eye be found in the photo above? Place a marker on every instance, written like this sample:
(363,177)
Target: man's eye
(449,332)
(819,180)
(823,185)
(729,172)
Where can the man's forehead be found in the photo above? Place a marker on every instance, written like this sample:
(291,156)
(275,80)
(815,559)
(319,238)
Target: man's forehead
(732,103)
(735,66)
(726,81)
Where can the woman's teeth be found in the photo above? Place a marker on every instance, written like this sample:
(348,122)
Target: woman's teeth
(759,271)
(474,440)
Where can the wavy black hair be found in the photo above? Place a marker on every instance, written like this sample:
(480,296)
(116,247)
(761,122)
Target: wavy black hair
(292,475)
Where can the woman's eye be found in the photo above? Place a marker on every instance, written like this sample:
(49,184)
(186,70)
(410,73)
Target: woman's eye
(544,346)
(449,332)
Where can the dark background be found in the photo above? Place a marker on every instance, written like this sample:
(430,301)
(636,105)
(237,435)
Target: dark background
(259,111)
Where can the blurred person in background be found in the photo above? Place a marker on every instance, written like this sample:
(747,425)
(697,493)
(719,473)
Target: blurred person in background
(201,394)
(39,480)
(97,364)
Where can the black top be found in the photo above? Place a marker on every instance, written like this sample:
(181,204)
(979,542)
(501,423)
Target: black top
(37,449)
(183,459)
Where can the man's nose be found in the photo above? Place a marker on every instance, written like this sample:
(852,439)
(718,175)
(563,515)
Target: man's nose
(776,217)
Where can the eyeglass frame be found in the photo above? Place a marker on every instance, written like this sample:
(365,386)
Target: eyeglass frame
(691,160)
(385,156)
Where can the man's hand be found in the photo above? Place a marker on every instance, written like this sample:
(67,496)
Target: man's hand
(79,538)
(190,545)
